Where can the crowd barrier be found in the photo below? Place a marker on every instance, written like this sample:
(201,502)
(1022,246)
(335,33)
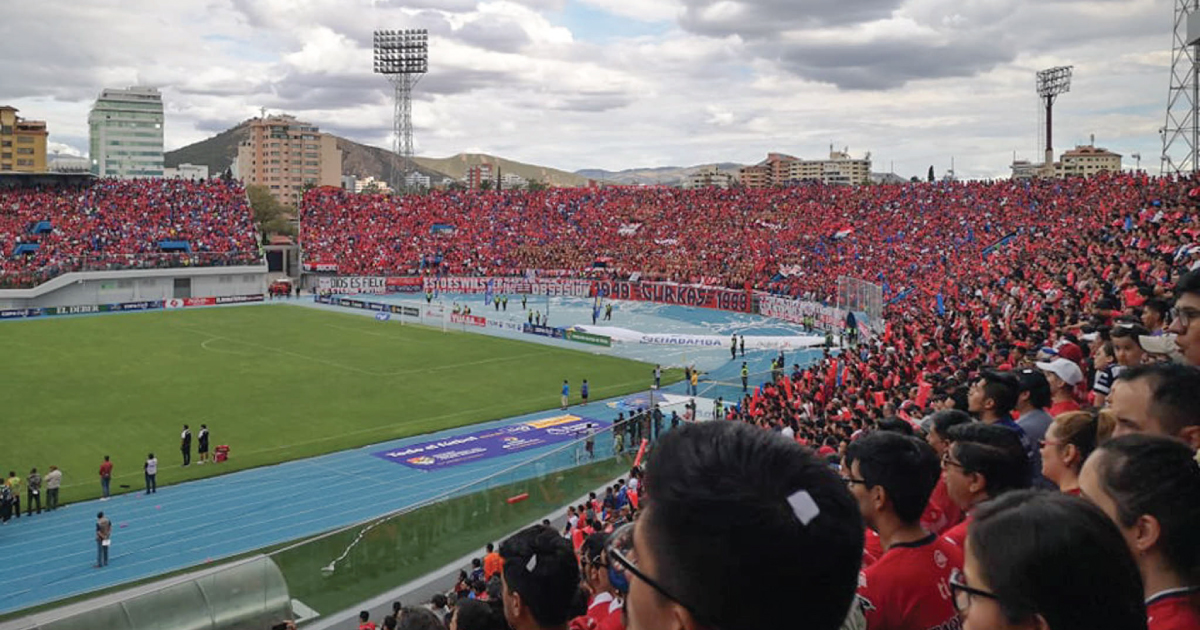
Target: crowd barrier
(796,311)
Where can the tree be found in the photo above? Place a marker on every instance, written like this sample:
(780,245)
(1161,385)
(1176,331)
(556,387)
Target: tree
(931,177)
(533,186)
(268,212)
(485,184)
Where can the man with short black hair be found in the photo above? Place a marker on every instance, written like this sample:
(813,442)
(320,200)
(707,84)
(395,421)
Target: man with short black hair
(983,462)
(892,476)
(733,512)
(1159,399)
(540,579)
(491,562)
(993,396)
(1154,315)
(1185,314)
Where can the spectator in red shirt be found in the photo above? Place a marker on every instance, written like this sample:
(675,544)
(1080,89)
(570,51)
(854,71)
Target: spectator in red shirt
(1150,487)
(1044,560)
(1159,399)
(942,513)
(1064,376)
(891,476)
(1069,441)
(983,462)
(605,600)
(105,478)
(733,512)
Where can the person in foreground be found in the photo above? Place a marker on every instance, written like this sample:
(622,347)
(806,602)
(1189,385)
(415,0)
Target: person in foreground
(891,476)
(1150,487)
(1040,560)
(733,512)
(540,579)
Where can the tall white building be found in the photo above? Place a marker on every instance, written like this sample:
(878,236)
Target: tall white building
(126,133)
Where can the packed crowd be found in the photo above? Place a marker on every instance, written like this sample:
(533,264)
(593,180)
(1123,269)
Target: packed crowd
(729,514)
(1023,456)
(795,241)
(115,224)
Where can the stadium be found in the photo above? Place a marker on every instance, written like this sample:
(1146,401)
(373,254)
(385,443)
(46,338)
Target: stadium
(914,404)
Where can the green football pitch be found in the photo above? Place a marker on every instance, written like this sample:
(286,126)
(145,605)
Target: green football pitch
(276,382)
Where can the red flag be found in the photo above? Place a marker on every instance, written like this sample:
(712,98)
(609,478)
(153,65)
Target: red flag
(923,391)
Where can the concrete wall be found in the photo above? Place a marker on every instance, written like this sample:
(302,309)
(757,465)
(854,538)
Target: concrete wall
(110,287)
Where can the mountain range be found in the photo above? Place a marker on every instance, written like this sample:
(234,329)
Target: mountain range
(220,151)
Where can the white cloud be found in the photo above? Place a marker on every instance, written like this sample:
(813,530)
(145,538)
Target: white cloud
(914,81)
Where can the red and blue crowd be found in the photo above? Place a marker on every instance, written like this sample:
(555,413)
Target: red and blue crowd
(1018,454)
(115,224)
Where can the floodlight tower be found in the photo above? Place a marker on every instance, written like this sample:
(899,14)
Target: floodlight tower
(1051,83)
(1181,133)
(402,57)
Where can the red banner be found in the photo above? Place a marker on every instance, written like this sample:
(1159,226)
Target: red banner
(681,294)
(405,285)
(471,320)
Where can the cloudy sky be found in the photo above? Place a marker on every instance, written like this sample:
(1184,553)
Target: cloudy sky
(619,84)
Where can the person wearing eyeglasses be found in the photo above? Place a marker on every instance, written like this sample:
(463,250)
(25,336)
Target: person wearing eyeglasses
(1159,399)
(540,579)
(1186,313)
(892,476)
(942,513)
(1150,487)
(1046,561)
(983,462)
(606,598)
(732,513)
(1069,441)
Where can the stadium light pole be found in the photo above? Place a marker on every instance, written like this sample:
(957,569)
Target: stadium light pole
(403,58)
(1050,84)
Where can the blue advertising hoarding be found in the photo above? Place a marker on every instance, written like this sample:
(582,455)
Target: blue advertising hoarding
(494,442)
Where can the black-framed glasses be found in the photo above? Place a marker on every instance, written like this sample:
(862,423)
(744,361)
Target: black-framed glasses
(620,549)
(963,594)
(849,481)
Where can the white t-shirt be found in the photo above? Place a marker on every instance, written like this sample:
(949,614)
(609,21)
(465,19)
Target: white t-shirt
(152,466)
(788,433)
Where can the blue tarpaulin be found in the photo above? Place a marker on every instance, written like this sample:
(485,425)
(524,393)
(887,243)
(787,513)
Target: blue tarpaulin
(441,228)
(25,249)
(41,227)
(175,246)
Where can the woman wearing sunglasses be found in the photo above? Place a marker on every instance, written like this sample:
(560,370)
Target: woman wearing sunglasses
(1040,560)
(1068,442)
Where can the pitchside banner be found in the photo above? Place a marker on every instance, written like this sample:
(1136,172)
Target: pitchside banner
(496,442)
(511,286)
(350,285)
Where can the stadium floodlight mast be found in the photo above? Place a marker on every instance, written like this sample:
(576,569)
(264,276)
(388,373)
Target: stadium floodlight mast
(1181,133)
(1051,83)
(403,57)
